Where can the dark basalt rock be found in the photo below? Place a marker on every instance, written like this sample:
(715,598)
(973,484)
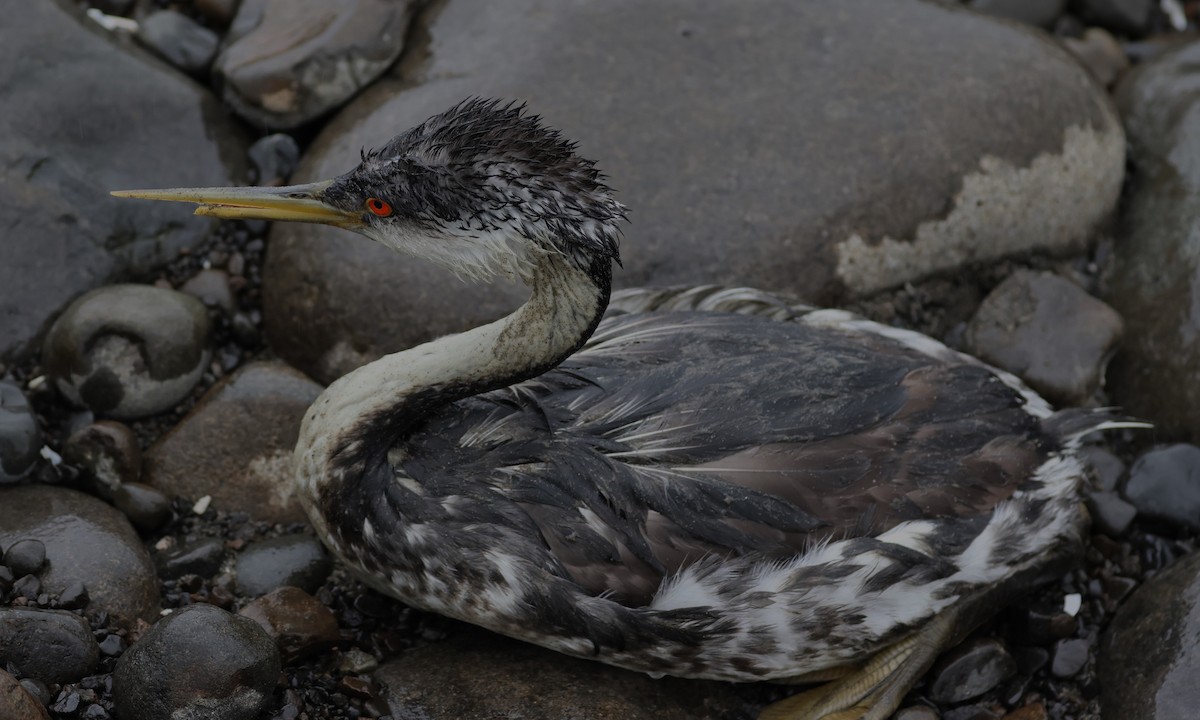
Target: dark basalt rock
(20,438)
(297,560)
(53,646)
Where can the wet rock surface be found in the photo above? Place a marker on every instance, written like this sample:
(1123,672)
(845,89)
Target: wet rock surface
(970,670)
(16,703)
(706,179)
(230,673)
(20,438)
(236,446)
(299,624)
(297,560)
(107,455)
(179,40)
(128,351)
(1165,485)
(53,646)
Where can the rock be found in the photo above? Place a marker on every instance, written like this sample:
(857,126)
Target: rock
(1159,626)
(25,557)
(107,454)
(180,40)
(1155,267)
(354,662)
(1131,17)
(1019,328)
(289,61)
(128,351)
(274,158)
(970,670)
(236,445)
(1107,468)
(203,558)
(113,121)
(1041,13)
(476,674)
(916,712)
(790,184)
(300,625)
(1100,53)
(211,287)
(297,560)
(113,646)
(86,541)
(53,646)
(219,11)
(1032,711)
(20,438)
(1164,484)
(146,508)
(1069,657)
(229,674)
(1110,514)
(28,587)
(971,712)
(74,596)
(16,703)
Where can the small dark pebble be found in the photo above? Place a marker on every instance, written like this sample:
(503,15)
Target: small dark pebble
(108,455)
(38,690)
(112,646)
(6,579)
(1030,659)
(297,560)
(970,670)
(28,587)
(1069,657)
(203,558)
(274,157)
(147,508)
(1110,514)
(25,557)
(356,687)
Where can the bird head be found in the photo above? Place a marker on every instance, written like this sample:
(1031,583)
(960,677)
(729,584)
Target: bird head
(480,189)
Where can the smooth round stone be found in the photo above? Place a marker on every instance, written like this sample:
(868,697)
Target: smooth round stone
(203,558)
(1069,657)
(25,557)
(86,541)
(107,453)
(28,587)
(197,662)
(147,508)
(916,712)
(20,438)
(1149,656)
(297,560)
(54,646)
(211,287)
(970,670)
(1164,484)
(74,596)
(16,703)
(274,158)
(180,40)
(38,690)
(1111,515)
(299,623)
(128,351)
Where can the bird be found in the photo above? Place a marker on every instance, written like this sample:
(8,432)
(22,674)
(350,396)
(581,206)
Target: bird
(703,482)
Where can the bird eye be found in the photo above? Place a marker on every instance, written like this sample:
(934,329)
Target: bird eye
(379,207)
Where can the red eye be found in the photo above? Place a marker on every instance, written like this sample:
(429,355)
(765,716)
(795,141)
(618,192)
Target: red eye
(379,207)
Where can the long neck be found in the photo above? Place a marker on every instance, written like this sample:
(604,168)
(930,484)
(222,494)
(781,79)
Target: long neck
(358,418)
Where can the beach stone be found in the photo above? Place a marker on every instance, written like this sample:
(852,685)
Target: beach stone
(16,703)
(114,120)
(916,712)
(1159,626)
(25,557)
(1111,515)
(147,508)
(1164,484)
(212,288)
(236,444)
(1069,657)
(1155,266)
(219,11)
(202,557)
(229,674)
(475,674)
(287,62)
(180,40)
(20,438)
(1041,13)
(737,170)
(86,541)
(970,670)
(128,351)
(1107,468)
(1019,328)
(1100,53)
(300,625)
(274,158)
(108,455)
(297,560)
(1131,17)
(54,646)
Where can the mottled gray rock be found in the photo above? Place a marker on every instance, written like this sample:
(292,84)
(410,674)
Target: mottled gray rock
(297,560)
(289,61)
(1019,327)
(1131,17)
(107,454)
(274,158)
(1041,13)
(1107,468)
(20,438)
(737,168)
(1155,268)
(86,540)
(236,445)
(229,674)
(1100,53)
(476,674)
(1150,655)
(54,646)
(16,703)
(1164,484)
(115,119)
(1110,514)
(300,625)
(970,670)
(128,351)
(25,557)
(180,40)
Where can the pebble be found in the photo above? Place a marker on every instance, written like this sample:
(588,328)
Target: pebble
(1100,53)
(202,557)
(230,673)
(86,541)
(211,287)
(180,40)
(25,557)
(1040,13)
(1107,468)
(1164,484)
(20,438)
(971,712)
(1129,17)
(300,625)
(970,670)
(107,454)
(147,508)
(1069,657)
(236,445)
(274,158)
(54,646)
(16,703)
(917,712)
(112,646)
(38,690)
(74,596)
(1019,328)
(297,560)
(220,11)
(354,661)
(1111,515)
(128,351)
(28,587)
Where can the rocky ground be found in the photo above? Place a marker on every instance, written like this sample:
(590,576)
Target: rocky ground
(1020,180)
